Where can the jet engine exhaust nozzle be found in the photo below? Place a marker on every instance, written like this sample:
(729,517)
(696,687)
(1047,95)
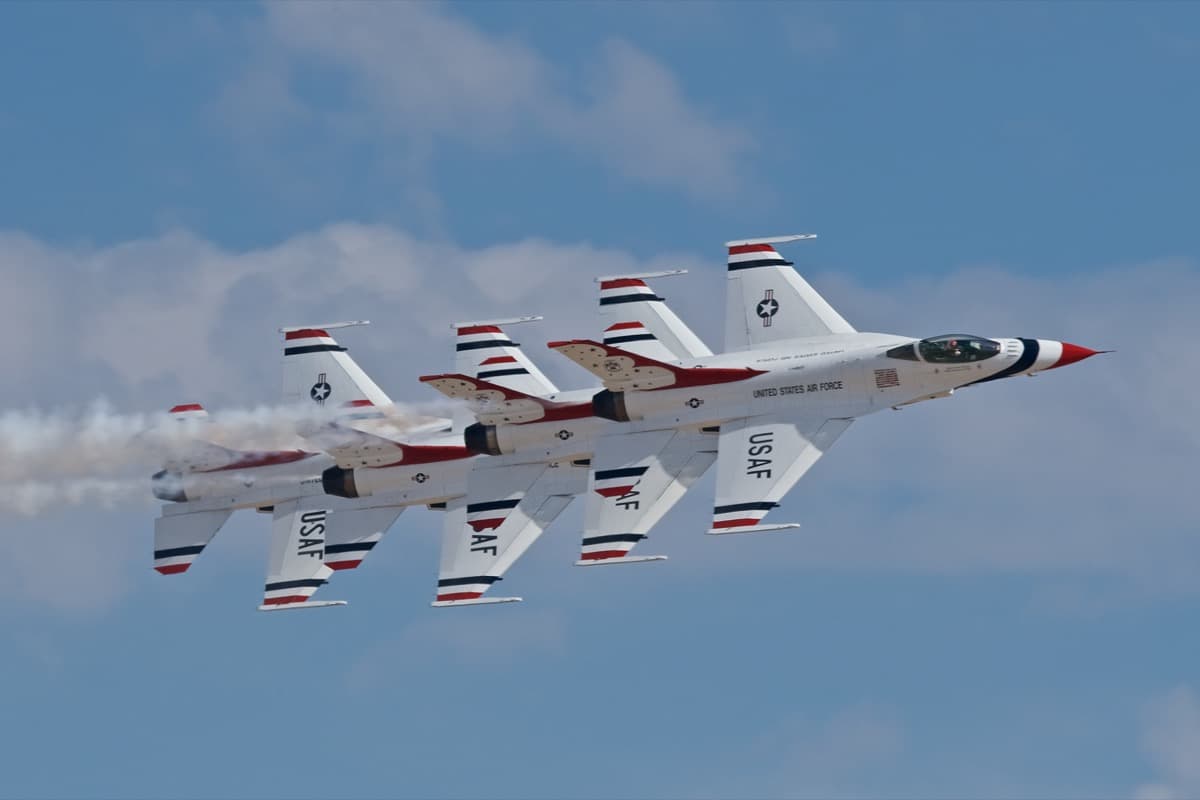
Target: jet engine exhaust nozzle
(168,486)
(481,439)
(339,482)
(610,405)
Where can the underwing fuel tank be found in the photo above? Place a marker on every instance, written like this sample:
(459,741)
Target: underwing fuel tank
(168,486)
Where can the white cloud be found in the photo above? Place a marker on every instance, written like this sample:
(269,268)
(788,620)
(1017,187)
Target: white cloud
(639,119)
(416,73)
(1171,740)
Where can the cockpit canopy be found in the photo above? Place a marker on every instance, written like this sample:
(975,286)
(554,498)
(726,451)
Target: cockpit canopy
(954,348)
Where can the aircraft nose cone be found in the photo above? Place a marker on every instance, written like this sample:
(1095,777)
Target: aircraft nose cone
(1072,353)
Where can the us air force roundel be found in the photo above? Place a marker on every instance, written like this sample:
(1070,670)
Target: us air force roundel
(767,307)
(320,390)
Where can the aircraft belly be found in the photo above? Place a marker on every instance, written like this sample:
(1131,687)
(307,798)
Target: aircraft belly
(418,484)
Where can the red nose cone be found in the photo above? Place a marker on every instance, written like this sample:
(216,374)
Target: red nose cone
(1072,353)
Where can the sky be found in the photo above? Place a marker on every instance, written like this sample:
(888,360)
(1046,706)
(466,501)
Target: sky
(991,595)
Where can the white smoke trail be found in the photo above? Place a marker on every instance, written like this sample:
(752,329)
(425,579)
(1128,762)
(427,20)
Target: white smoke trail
(34,497)
(100,456)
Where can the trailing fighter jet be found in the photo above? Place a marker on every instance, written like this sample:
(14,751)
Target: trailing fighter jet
(793,376)
(312,534)
(494,508)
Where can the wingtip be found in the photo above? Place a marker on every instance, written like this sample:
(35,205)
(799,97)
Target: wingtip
(477,601)
(304,604)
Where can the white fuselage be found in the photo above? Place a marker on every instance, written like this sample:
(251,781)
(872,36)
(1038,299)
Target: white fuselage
(840,376)
(837,376)
(266,485)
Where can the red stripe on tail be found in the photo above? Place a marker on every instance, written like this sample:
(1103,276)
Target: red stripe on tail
(307,333)
(621,283)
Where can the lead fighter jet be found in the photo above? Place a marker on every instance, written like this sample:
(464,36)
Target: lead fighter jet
(793,377)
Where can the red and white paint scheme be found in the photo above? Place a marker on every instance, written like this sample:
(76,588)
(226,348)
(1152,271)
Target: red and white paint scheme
(793,375)
(313,534)
(561,429)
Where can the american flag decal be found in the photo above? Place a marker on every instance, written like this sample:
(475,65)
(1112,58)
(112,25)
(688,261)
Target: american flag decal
(886,378)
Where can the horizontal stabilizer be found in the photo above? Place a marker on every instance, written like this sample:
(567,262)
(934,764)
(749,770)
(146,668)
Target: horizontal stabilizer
(495,405)
(621,370)
(478,601)
(305,604)
(755,529)
(618,560)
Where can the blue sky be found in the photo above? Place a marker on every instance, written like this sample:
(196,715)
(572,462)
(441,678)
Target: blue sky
(992,595)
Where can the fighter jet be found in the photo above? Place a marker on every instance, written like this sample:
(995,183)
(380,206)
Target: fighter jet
(312,534)
(494,509)
(793,376)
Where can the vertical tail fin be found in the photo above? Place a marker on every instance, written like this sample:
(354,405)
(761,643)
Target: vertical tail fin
(483,350)
(316,369)
(768,301)
(640,321)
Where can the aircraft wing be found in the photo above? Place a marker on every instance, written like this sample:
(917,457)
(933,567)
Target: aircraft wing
(353,532)
(180,536)
(622,370)
(759,459)
(296,565)
(505,510)
(634,480)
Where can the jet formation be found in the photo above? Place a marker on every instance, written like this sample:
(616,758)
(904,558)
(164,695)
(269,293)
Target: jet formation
(791,378)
